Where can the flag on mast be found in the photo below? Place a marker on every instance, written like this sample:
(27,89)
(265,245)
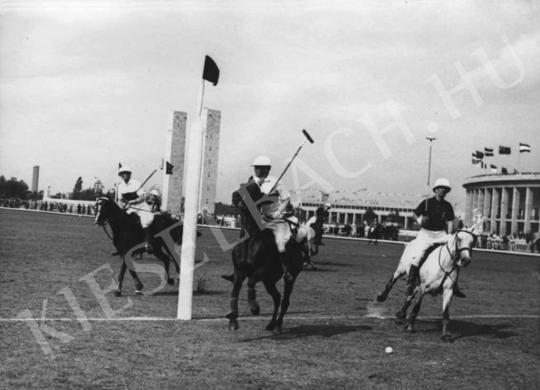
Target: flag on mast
(524,147)
(210,71)
(504,150)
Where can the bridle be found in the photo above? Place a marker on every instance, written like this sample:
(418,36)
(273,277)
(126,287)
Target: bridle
(457,253)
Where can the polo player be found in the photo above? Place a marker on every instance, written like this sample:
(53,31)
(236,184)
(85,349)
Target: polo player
(276,208)
(133,198)
(435,216)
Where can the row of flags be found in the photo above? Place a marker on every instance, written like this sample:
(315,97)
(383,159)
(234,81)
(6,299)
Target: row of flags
(489,152)
(478,157)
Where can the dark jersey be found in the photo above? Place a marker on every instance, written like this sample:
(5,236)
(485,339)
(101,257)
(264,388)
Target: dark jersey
(438,213)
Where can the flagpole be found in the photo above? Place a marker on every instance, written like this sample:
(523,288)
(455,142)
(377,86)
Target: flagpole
(192,184)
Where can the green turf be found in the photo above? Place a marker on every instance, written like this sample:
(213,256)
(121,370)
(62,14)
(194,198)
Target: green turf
(40,254)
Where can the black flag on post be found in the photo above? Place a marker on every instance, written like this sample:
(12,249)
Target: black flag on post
(211,71)
(168,168)
(504,150)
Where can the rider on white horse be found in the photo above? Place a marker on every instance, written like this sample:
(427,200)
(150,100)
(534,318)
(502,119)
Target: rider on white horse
(277,209)
(435,216)
(133,198)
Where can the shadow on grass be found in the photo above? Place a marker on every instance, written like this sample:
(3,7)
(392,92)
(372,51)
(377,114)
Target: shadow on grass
(320,330)
(195,293)
(460,329)
(335,263)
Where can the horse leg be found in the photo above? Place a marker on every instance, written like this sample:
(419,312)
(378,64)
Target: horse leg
(235,292)
(252,297)
(160,254)
(382,296)
(138,284)
(414,312)
(276,296)
(284,304)
(123,268)
(447,298)
(411,290)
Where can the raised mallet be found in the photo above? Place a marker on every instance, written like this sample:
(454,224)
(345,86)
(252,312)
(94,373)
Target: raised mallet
(307,138)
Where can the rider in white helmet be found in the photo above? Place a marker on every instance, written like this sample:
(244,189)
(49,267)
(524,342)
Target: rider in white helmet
(133,198)
(435,216)
(277,210)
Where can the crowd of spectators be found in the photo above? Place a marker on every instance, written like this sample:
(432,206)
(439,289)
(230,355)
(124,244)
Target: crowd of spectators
(50,205)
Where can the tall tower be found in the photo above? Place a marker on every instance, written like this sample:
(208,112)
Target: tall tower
(211,125)
(35,178)
(175,154)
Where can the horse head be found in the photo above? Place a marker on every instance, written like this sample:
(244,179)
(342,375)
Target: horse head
(104,208)
(465,240)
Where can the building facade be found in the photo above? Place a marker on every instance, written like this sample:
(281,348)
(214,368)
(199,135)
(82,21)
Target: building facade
(509,203)
(349,207)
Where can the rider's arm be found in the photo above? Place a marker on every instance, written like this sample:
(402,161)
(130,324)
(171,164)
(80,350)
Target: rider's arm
(450,227)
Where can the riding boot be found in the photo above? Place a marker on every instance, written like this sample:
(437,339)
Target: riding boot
(286,274)
(148,238)
(457,292)
(411,281)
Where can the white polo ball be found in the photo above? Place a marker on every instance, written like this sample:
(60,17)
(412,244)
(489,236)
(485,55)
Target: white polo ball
(388,350)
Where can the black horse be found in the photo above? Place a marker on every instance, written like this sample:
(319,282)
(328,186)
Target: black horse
(256,258)
(128,238)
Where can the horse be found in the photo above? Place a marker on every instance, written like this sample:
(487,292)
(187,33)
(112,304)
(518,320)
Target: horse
(256,258)
(313,228)
(128,237)
(438,275)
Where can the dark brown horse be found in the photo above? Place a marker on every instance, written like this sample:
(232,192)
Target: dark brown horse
(256,258)
(128,238)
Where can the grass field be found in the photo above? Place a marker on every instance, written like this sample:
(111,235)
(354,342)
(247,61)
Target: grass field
(328,341)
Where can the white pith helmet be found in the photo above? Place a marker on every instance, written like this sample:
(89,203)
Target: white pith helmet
(123,169)
(442,182)
(261,161)
(327,205)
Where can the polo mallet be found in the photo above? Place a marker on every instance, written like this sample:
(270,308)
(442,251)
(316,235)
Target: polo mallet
(307,138)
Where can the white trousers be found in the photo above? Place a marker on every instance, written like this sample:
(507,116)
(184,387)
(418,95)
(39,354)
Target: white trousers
(414,251)
(282,233)
(144,211)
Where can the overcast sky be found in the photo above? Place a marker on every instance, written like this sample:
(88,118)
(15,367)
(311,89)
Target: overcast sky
(84,85)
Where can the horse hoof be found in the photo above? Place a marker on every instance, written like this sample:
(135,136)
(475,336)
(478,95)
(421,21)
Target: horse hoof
(270,326)
(400,315)
(118,293)
(277,329)
(381,298)
(170,282)
(229,278)
(233,325)
(447,338)
(410,329)
(255,310)
(230,316)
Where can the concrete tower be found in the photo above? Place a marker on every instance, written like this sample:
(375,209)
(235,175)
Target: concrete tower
(173,184)
(211,125)
(35,178)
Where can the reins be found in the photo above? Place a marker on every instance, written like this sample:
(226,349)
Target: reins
(454,257)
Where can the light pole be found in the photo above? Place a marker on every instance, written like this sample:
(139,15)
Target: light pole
(430,139)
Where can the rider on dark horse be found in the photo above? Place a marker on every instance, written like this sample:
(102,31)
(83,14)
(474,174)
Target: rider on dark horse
(135,200)
(275,209)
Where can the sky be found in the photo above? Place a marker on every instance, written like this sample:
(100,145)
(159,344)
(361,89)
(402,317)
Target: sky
(85,85)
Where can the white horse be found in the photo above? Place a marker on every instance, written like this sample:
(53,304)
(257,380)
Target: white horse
(438,274)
